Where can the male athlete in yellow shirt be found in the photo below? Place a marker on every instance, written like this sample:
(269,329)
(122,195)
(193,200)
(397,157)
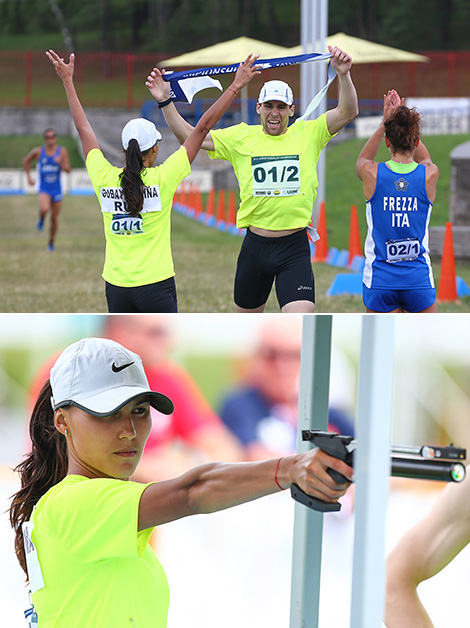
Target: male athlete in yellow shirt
(276,168)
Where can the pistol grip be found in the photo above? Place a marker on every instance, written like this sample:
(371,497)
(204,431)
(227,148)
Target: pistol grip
(313,502)
(339,478)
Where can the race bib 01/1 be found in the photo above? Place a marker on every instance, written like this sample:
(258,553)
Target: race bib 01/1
(276,176)
(123,224)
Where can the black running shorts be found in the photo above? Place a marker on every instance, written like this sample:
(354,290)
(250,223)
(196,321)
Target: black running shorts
(153,297)
(263,260)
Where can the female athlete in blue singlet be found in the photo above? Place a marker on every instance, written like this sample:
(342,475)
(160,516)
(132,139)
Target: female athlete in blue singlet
(51,160)
(399,193)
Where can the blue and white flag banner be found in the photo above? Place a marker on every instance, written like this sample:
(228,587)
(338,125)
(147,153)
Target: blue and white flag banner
(186,83)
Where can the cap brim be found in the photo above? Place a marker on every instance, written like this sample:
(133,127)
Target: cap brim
(110,401)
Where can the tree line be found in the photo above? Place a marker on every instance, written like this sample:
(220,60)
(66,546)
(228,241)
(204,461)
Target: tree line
(177,26)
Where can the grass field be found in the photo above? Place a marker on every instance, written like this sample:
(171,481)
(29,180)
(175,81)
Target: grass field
(69,280)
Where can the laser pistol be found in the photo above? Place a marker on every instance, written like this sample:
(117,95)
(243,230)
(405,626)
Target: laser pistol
(423,463)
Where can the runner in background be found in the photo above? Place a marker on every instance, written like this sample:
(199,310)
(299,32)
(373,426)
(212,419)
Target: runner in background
(51,160)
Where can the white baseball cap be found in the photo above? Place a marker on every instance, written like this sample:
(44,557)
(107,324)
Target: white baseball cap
(276,90)
(142,130)
(100,376)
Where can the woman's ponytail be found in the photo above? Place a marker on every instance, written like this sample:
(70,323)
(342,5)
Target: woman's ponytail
(131,181)
(44,467)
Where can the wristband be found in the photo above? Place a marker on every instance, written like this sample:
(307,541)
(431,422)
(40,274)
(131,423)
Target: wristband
(164,103)
(275,474)
(233,90)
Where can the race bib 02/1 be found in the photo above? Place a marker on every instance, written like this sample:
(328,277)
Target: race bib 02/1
(276,175)
(402,250)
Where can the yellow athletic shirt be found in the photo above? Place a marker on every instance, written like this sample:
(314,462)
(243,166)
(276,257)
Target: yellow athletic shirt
(138,250)
(277,174)
(98,570)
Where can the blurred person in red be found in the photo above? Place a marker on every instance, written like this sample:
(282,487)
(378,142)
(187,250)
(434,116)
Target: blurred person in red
(193,433)
(262,412)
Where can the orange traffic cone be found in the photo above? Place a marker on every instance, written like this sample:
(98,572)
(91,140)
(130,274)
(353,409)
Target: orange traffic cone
(447,281)
(321,246)
(355,245)
(232,211)
(183,193)
(198,202)
(221,209)
(209,218)
(210,202)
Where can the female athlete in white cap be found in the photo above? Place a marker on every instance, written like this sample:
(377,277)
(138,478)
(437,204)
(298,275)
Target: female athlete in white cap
(82,529)
(136,201)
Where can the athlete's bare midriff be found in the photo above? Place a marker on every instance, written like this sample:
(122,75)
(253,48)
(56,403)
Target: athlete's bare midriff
(269,233)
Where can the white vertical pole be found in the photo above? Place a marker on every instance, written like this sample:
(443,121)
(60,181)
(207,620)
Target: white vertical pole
(372,468)
(313,34)
(308,524)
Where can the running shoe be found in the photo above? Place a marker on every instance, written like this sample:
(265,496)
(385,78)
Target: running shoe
(40,223)
(50,247)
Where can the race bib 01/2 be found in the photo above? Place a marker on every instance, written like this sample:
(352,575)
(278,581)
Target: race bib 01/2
(276,176)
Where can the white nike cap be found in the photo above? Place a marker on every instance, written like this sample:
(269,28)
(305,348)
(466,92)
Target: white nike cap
(276,90)
(142,130)
(100,376)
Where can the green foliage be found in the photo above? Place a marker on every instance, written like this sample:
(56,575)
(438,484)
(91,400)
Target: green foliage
(176,26)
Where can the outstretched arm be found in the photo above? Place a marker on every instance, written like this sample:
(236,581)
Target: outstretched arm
(347,107)
(160,90)
(216,486)
(193,139)
(424,551)
(65,72)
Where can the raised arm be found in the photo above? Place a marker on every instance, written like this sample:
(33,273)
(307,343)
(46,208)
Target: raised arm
(391,101)
(216,486)
(422,156)
(347,107)
(160,90)
(424,551)
(193,139)
(65,72)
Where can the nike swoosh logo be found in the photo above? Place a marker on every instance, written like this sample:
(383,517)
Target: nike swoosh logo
(116,368)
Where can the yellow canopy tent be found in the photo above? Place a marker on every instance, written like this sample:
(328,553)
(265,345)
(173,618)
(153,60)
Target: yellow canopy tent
(364,51)
(226,53)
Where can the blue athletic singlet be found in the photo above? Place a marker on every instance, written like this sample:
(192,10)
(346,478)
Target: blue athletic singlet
(396,247)
(49,173)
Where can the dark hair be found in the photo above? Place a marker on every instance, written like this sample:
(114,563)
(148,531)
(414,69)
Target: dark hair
(131,180)
(45,466)
(403,128)
(48,130)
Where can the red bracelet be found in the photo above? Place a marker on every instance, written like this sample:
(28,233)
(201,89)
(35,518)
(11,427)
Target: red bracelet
(232,90)
(275,474)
